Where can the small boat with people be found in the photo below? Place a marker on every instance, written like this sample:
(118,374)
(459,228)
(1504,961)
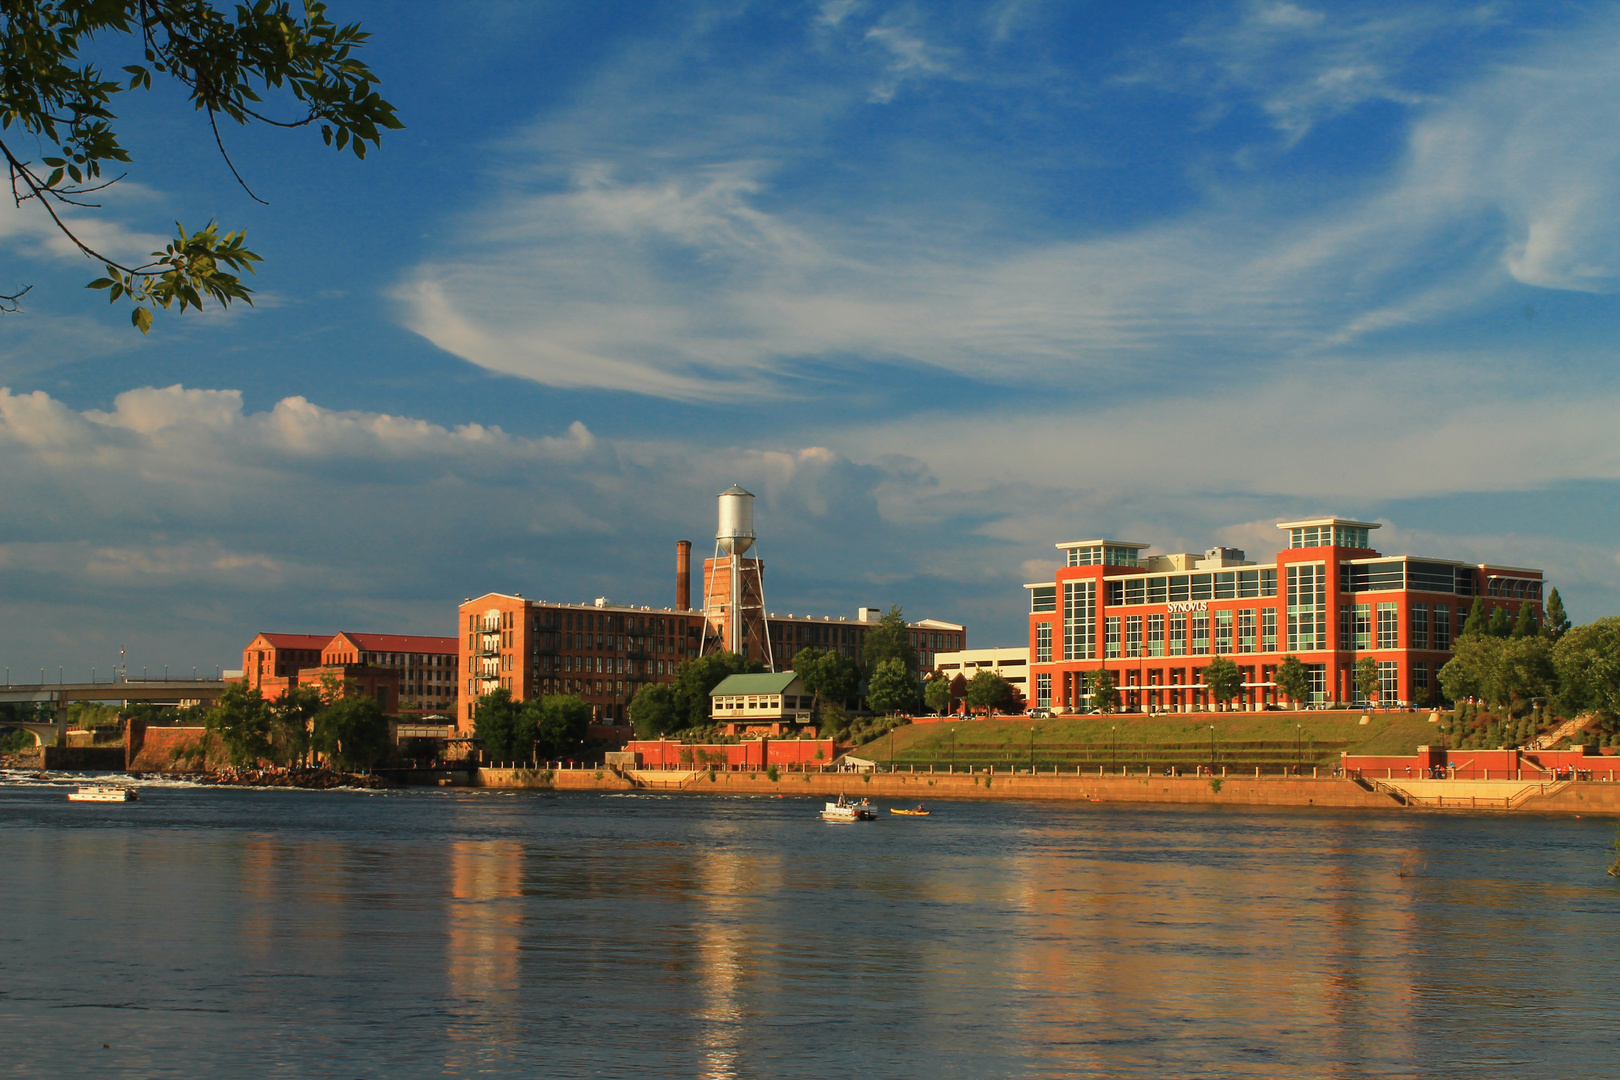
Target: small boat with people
(103,793)
(918,812)
(846,809)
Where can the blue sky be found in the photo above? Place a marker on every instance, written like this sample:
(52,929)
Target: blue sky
(943,283)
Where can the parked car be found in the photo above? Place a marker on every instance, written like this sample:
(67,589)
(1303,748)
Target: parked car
(1039,714)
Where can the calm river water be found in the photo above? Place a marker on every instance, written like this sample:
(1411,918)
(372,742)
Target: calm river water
(205,933)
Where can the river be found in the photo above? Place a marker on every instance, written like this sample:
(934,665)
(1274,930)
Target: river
(205,932)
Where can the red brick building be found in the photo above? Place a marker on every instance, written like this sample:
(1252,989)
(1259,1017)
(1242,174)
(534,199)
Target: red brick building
(602,652)
(271,662)
(407,674)
(1155,621)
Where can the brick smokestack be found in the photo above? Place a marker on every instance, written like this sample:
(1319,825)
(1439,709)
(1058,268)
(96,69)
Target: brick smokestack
(683,575)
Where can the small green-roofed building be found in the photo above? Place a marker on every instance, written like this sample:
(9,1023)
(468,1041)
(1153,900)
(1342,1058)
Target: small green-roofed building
(764,704)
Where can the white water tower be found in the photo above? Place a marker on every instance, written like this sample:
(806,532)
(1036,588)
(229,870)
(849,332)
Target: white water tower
(736,532)
(740,609)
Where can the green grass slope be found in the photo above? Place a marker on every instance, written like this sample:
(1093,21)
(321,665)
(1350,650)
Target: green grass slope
(1269,741)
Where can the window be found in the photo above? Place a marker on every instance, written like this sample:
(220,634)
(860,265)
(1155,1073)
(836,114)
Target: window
(1307,607)
(1136,591)
(1316,675)
(1361,628)
(1420,627)
(1133,635)
(1245,631)
(1389,682)
(1226,585)
(1158,589)
(1223,632)
(1043,690)
(1155,635)
(1079,620)
(1111,636)
(1420,680)
(1043,643)
(1442,627)
(1388,627)
(1268,629)
(1179,589)
(1202,588)
(1178,635)
(1043,598)
(1248,583)
(1200,635)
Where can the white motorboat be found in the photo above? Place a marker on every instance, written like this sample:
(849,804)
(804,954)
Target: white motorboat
(103,793)
(848,810)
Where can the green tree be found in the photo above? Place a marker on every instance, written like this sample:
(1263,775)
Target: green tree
(242,722)
(1367,680)
(1104,692)
(890,639)
(221,60)
(1472,670)
(652,713)
(1293,681)
(937,692)
(694,679)
(826,674)
(988,690)
(1587,661)
(1525,624)
(891,687)
(1475,624)
(498,727)
(292,722)
(352,732)
(561,724)
(1499,625)
(1526,671)
(1556,621)
(1223,679)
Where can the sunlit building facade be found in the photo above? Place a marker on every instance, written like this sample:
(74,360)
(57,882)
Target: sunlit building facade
(1329,598)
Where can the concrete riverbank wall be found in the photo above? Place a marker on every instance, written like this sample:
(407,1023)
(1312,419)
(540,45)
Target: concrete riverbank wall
(1281,791)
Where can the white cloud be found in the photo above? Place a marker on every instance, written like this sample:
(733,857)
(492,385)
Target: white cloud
(689,276)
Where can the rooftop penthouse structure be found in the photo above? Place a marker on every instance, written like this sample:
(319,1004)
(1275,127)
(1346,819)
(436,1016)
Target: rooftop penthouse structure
(1328,598)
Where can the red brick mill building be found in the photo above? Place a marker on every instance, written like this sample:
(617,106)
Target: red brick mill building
(1155,621)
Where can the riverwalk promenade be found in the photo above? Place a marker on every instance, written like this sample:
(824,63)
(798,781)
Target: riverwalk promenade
(1564,797)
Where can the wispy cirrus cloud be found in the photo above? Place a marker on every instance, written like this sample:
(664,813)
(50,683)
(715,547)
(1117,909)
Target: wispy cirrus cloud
(692,273)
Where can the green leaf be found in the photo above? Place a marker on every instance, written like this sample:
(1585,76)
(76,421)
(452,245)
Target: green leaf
(142,318)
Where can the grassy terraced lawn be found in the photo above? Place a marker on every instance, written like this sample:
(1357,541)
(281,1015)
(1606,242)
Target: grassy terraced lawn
(1241,739)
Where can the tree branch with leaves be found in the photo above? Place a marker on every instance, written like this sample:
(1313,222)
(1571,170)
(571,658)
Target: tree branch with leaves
(225,61)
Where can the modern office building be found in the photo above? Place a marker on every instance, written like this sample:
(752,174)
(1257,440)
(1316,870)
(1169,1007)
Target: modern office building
(1329,598)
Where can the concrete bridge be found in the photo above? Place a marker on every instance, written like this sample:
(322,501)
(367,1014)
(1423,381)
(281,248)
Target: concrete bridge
(61,695)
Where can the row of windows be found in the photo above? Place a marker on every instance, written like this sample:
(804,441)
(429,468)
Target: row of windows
(1396,574)
(1428,627)
(1102,555)
(1174,588)
(1245,631)
(765,701)
(1350,536)
(1519,588)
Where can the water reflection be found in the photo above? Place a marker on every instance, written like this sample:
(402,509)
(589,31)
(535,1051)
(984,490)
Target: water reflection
(743,938)
(484,931)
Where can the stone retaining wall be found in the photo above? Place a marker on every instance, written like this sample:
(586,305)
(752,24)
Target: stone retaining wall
(1577,798)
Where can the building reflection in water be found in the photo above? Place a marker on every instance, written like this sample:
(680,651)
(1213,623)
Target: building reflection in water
(484,933)
(1138,949)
